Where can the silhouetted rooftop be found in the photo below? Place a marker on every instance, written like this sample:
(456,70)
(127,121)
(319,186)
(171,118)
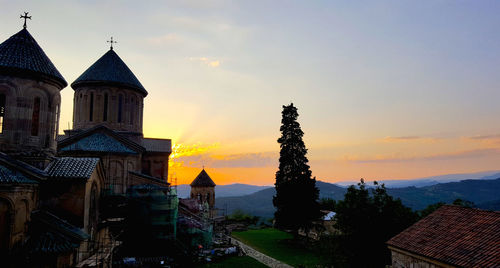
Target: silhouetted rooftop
(203,180)
(21,55)
(110,70)
(98,142)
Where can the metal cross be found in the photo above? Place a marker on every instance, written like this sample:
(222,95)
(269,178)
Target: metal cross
(25,17)
(112,42)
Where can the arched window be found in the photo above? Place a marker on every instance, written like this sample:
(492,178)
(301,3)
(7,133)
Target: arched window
(91,112)
(105,110)
(2,111)
(208,198)
(35,118)
(120,108)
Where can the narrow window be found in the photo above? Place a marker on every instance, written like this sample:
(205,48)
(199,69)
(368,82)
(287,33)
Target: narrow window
(2,111)
(35,118)
(105,111)
(120,107)
(56,122)
(91,115)
(132,110)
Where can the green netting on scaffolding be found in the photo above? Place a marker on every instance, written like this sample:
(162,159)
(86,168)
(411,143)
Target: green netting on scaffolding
(154,208)
(195,232)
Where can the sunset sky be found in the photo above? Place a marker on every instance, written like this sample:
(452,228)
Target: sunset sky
(385,89)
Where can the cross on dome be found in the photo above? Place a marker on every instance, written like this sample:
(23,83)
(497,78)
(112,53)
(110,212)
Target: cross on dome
(111,42)
(25,17)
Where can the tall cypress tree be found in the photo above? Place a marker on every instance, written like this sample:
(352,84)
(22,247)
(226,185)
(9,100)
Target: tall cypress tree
(296,198)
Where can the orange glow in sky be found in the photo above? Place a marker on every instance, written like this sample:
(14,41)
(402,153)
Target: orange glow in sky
(384,90)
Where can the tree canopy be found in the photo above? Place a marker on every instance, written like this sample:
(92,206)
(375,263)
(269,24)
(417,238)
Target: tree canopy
(366,219)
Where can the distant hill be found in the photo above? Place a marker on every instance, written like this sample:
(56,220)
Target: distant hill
(235,189)
(428,181)
(261,203)
(477,191)
(481,192)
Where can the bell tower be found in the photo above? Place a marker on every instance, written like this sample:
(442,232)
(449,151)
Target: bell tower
(203,189)
(30,99)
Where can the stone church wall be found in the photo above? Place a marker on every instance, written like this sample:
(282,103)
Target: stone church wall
(16,204)
(105,103)
(20,131)
(402,260)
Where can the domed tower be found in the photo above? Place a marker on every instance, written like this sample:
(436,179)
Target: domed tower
(203,189)
(109,94)
(29,99)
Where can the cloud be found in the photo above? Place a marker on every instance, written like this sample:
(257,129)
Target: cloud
(445,156)
(485,137)
(492,140)
(206,61)
(390,139)
(247,160)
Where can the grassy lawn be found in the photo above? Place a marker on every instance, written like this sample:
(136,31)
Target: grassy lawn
(274,243)
(235,261)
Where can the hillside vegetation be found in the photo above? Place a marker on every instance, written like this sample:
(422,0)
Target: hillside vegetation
(484,193)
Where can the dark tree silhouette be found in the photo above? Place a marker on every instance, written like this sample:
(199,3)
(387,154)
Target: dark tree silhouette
(366,219)
(296,198)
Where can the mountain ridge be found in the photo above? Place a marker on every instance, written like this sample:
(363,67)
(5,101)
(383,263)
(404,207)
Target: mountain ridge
(478,191)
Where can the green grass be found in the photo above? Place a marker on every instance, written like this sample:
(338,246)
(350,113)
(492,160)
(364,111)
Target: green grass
(235,261)
(277,244)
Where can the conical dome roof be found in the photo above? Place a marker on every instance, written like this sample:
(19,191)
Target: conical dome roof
(109,70)
(203,180)
(21,55)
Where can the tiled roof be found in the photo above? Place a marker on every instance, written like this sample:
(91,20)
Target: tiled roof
(203,180)
(72,168)
(454,235)
(110,70)
(9,176)
(50,242)
(148,187)
(53,235)
(21,53)
(157,145)
(151,178)
(98,142)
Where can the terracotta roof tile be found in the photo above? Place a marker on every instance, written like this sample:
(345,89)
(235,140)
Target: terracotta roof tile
(455,235)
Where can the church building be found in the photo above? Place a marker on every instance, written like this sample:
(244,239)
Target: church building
(51,186)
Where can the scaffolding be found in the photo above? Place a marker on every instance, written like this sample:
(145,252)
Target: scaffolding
(195,229)
(154,208)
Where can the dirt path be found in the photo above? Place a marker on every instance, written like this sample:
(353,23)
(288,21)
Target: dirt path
(261,257)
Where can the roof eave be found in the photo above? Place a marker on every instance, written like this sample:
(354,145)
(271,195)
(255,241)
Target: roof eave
(75,85)
(23,73)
